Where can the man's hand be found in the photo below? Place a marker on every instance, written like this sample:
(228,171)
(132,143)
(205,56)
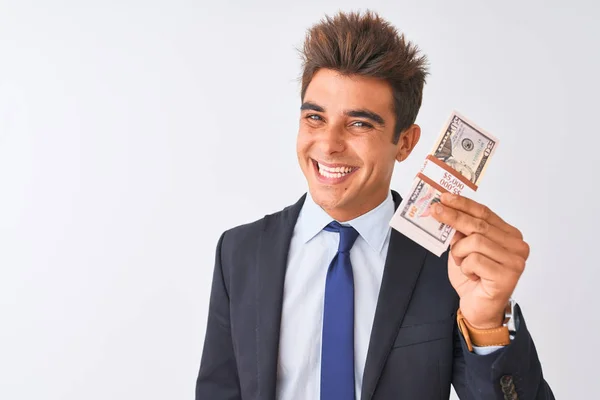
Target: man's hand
(487,257)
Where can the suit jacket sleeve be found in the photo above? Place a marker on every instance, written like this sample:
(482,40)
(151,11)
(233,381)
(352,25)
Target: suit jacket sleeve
(513,372)
(218,377)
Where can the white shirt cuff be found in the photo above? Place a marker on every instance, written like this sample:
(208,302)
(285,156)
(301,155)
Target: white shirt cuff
(484,351)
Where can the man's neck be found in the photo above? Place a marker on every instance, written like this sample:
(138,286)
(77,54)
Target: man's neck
(346,214)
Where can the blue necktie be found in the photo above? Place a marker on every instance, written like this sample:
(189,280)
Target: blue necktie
(337,354)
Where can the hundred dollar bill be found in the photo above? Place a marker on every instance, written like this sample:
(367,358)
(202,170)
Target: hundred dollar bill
(456,164)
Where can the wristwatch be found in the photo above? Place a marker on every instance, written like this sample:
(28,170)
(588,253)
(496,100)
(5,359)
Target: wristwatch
(510,318)
(501,336)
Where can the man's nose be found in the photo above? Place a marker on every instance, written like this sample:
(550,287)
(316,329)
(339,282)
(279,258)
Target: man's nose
(332,140)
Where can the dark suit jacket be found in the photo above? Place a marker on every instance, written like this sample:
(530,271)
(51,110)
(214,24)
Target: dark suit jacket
(415,351)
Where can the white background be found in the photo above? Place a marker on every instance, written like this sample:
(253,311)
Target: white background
(133,134)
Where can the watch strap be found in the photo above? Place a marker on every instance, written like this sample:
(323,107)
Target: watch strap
(482,337)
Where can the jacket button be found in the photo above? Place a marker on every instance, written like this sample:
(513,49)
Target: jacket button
(506,381)
(508,387)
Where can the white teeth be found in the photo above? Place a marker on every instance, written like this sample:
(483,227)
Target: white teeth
(336,170)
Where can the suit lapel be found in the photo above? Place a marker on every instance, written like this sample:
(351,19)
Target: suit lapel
(274,244)
(402,267)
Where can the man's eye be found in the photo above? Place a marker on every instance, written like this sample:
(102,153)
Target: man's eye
(361,124)
(314,117)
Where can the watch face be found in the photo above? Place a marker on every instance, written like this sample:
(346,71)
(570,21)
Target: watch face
(510,317)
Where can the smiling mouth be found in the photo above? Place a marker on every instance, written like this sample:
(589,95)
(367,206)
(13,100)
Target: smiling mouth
(333,173)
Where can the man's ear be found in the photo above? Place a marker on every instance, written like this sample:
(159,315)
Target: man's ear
(407,142)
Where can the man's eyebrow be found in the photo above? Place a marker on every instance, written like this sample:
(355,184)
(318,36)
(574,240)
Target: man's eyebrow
(311,106)
(366,114)
(361,113)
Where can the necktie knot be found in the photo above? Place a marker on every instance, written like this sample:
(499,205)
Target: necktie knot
(348,235)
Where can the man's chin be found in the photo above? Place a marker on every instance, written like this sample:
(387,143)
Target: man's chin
(329,199)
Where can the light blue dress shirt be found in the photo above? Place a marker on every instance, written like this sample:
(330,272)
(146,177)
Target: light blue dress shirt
(311,252)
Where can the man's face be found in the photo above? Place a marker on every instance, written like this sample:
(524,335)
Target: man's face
(345,142)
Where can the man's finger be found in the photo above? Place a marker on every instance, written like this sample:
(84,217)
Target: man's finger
(476,264)
(457,236)
(479,211)
(477,243)
(468,225)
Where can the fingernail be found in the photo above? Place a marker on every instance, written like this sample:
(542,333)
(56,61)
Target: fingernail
(438,209)
(448,196)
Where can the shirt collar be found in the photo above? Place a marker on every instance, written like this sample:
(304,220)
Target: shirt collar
(372,226)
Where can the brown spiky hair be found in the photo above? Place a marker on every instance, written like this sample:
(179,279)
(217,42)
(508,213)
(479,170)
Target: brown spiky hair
(365,44)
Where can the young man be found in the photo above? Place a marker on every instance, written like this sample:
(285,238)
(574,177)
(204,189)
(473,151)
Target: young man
(323,300)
